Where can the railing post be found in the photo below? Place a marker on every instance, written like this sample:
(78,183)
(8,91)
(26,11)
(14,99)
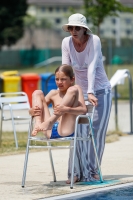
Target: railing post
(116,108)
(46,84)
(130,101)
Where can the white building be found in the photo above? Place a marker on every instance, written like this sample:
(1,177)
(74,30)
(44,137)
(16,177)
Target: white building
(56,12)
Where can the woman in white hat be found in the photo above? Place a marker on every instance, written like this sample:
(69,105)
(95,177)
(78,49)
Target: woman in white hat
(82,50)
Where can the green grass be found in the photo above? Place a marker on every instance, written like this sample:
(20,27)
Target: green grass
(8,143)
(123,90)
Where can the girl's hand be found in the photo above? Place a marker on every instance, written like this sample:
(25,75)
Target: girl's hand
(36,111)
(59,110)
(93,99)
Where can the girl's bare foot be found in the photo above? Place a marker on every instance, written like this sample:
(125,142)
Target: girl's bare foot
(35,129)
(45,127)
(75,179)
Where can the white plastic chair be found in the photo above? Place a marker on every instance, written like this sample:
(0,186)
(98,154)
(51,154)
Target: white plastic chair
(10,102)
(90,136)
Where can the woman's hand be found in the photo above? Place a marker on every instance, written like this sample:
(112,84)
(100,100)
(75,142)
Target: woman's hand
(36,111)
(93,99)
(59,109)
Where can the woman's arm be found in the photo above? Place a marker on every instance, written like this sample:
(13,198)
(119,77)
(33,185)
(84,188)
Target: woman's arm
(65,51)
(93,99)
(94,54)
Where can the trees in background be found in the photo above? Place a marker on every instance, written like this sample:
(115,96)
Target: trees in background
(31,23)
(97,10)
(11,20)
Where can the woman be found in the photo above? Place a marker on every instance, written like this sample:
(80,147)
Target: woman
(67,101)
(82,51)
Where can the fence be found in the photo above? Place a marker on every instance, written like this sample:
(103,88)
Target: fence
(34,56)
(26,57)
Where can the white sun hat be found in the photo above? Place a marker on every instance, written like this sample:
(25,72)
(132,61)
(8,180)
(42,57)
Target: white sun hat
(76,20)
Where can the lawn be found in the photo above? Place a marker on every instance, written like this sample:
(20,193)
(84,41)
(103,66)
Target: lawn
(123,90)
(8,143)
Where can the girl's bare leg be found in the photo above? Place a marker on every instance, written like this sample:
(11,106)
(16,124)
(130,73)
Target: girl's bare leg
(38,99)
(67,121)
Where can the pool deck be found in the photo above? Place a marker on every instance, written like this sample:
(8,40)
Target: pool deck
(117,168)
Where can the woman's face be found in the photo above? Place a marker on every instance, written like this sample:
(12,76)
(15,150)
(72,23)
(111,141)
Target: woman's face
(63,82)
(76,32)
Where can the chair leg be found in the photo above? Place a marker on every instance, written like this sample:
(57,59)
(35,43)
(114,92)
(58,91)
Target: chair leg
(74,152)
(27,153)
(72,172)
(15,135)
(95,151)
(14,130)
(1,127)
(25,164)
(51,162)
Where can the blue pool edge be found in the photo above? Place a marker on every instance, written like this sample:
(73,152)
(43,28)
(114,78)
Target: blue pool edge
(92,191)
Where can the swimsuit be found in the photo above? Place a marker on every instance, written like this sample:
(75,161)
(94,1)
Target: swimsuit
(55,133)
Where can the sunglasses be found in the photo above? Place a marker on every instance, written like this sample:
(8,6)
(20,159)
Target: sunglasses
(71,28)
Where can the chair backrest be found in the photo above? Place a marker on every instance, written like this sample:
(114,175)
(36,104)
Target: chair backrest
(18,100)
(90,112)
(90,109)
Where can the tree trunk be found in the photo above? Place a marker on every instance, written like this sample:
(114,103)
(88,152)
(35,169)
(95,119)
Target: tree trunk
(98,30)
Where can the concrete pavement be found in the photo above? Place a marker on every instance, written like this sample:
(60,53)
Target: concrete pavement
(117,168)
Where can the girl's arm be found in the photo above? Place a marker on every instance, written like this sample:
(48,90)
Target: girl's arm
(80,109)
(36,111)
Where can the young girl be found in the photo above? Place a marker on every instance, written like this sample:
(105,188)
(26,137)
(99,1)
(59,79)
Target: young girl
(67,101)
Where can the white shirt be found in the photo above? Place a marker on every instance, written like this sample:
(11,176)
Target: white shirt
(87,65)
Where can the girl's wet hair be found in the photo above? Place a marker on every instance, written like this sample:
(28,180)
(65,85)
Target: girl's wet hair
(66,69)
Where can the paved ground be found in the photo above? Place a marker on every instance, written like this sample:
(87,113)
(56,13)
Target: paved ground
(117,167)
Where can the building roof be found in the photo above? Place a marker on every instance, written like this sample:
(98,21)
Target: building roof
(59,2)
(126,1)
(67,2)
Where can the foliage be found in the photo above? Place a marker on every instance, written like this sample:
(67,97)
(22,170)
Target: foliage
(11,20)
(33,22)
(97,10)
